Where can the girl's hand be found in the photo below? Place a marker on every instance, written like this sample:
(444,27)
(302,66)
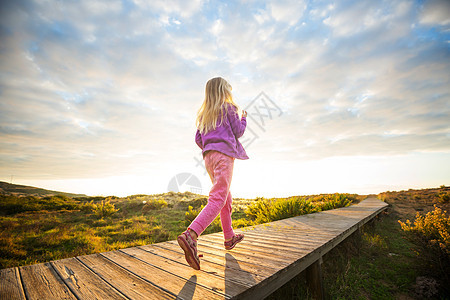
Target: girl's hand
(244,113)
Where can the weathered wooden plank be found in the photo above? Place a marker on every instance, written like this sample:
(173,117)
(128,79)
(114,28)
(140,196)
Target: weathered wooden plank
(354,212)
(255,249)
(83,282)
(269,238)
(209,252)
(40,281)
(213,264)
(304,224)
(291,236)
(168,281)
(10,284)
(288,251)
(325,222)
(274,257)
(246,246)
(225,272)
(314,217)
(209,280)
(128,284)
(215,260)
(288,237)
(300,230)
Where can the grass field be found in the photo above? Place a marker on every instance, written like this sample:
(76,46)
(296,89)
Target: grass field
(382,262)
(39,229)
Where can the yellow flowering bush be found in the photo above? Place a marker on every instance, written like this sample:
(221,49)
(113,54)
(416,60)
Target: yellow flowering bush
(191,214)
(434,227)
(154,204)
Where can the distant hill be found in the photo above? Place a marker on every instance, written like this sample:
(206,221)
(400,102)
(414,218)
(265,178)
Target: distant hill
(23,190)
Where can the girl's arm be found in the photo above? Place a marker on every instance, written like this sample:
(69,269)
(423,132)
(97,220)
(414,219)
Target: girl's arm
(237,126)
(198,139)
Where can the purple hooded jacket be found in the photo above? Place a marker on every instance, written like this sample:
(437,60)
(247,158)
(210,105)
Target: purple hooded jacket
(225,137)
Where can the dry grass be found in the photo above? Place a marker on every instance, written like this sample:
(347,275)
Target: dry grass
(385,262)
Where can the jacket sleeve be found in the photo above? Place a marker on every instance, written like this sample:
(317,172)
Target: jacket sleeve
(237,126)
(198,139)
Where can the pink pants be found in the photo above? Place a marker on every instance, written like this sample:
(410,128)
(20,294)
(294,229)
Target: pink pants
(220,170)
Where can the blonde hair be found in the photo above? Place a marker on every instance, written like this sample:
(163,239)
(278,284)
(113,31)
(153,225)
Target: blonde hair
(217,93)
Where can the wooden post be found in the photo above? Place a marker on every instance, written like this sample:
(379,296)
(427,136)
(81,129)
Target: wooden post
(314,279)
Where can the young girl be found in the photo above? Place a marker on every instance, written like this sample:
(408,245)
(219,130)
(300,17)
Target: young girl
(218,130)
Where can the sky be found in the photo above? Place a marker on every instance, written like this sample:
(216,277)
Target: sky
(100,97)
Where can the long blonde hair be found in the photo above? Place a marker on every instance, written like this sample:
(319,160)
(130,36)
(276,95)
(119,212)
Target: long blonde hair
(217,93)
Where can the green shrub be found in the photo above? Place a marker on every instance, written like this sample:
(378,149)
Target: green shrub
(240,223)
(105,209)
(269,210)
(93,198)
(58,202)
(154,204)
(291,208)
(260,209)
(335,201)
(198,202)
(444,197)
(10,205)
(158,234)
(191,214)
(214,227)
(88,207)
(131,205)
(195,203)
(13,204)
(101,210)
(431,233)
(434,228)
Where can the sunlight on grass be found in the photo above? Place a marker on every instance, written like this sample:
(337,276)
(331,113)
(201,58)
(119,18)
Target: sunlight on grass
(34,230)
(434,228)
(39,229)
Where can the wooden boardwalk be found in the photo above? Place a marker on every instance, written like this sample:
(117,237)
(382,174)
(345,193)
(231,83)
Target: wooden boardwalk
(270,255)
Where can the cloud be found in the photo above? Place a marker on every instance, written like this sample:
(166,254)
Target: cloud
(184,9)
(95,87)
(287,11)
(435,12)
(348,18)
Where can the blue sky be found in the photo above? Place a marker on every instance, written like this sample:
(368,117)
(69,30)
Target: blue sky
(100,97)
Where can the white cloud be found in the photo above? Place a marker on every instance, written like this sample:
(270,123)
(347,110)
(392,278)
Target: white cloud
(353,18)
(435,12)
(184,9)
(101,7)
(217,27)
(261,16)
(287,11)
(114,90)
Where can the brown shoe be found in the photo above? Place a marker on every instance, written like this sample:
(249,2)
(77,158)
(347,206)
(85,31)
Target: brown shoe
(231,243)
(189,246)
